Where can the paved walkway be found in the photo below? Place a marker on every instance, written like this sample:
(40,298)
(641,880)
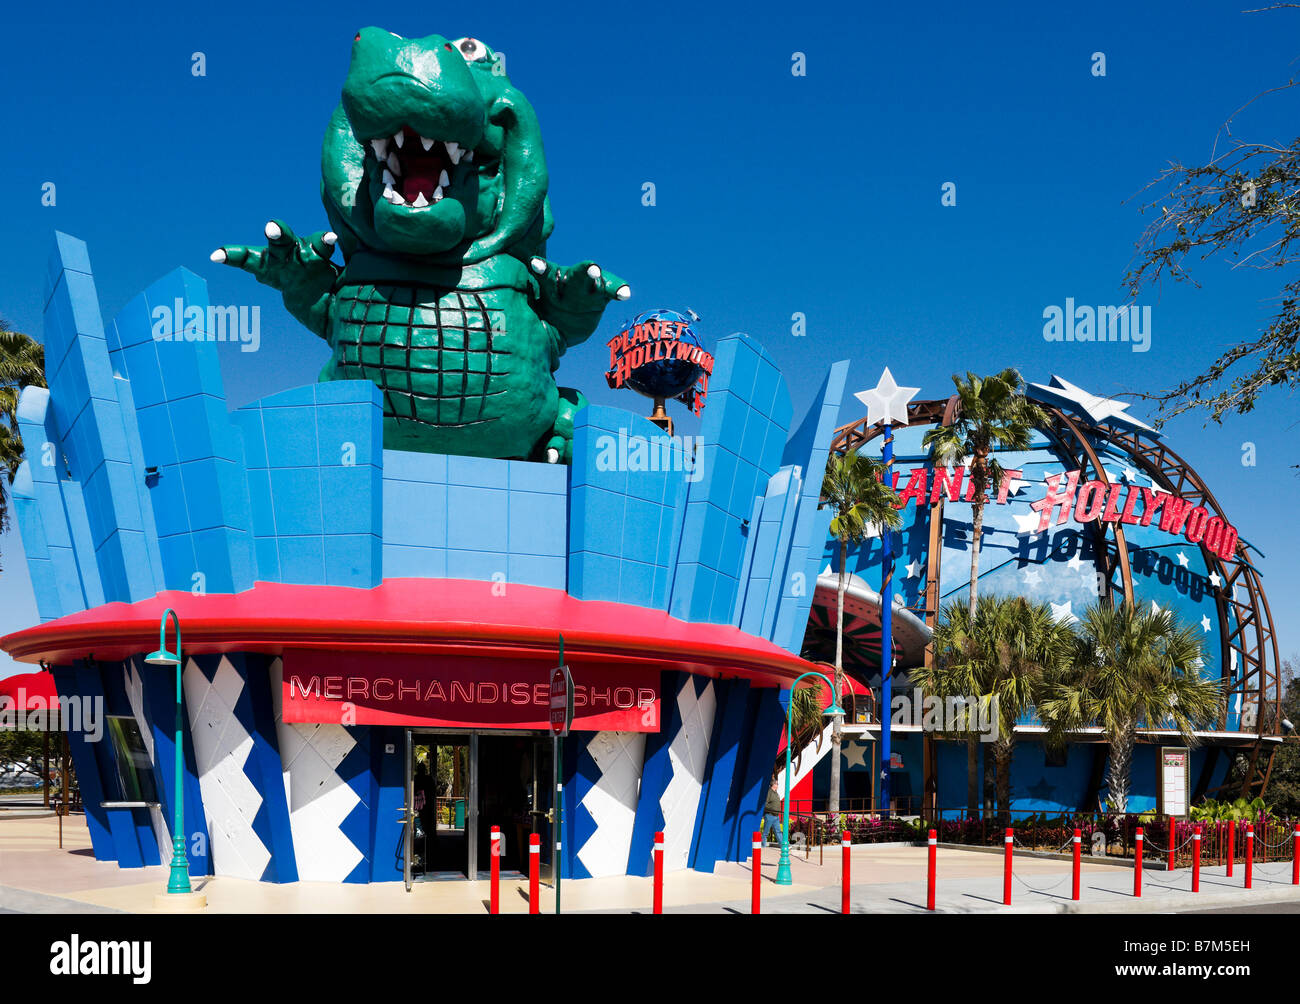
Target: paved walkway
(36,876)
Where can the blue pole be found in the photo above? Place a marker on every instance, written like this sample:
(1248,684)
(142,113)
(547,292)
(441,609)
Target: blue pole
(886,631)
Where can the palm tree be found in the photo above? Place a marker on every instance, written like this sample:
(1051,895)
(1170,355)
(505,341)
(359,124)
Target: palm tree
(1131,669)
(22,364)
(1004,657)
(993,414)
(855,490)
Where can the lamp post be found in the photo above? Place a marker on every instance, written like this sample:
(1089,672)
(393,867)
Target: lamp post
(886,403)
(179,880)
(783,866)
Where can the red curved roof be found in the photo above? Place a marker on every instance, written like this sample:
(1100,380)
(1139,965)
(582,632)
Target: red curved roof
(452,616)
(37,690)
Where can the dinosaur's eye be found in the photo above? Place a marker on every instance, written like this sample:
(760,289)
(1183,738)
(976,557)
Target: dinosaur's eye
(472,49)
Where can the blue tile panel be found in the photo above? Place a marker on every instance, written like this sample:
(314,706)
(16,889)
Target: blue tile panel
(627,488)
(82,436)
(314,459)
(499,521)
(743,437)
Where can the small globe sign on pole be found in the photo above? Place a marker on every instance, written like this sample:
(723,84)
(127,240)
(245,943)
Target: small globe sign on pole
(659,354)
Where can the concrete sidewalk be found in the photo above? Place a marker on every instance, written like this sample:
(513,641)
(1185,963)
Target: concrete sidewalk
(36,876)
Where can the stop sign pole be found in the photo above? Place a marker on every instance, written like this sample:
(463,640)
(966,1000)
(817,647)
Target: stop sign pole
(561,718)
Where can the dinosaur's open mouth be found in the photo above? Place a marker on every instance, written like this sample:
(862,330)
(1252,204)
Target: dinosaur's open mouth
(417,171)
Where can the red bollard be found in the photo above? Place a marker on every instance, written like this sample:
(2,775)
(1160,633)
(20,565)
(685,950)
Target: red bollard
(758,870)
(1196,859)
(1232,850)
(1006,874)
(847,843)
(1250,852)
(1173,841)
(1295,856)
(933,841)
(1078,840)
(1137,863)
(494,900)
(534,873)
(659,873)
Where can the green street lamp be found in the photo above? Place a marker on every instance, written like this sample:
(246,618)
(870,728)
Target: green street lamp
(783,867)
(179,881)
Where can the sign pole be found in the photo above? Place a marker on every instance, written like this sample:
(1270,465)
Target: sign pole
(556,746)
(561,718)
(886,634)
(887,405)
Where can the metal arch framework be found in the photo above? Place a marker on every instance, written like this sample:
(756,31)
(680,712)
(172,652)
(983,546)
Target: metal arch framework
(1248,632)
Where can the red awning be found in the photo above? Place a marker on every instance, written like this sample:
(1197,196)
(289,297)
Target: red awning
(29,692)
(447,616)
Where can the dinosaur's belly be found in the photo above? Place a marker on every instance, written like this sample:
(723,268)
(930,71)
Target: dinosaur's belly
(460,372)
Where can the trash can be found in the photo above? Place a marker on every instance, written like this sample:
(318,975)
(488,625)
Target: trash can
(459,824)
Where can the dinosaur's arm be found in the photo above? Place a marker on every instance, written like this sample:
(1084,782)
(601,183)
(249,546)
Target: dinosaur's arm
(300,268)
(572,298)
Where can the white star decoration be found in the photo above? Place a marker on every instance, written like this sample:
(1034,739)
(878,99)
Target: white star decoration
(855,754)
(1205,624)
(1074,564)
(1027,523)
(913,569)
(1182,559)
(1061,612)
(1155,607)
(1032,575)
(1015,486)
(1099,409)
(1216,580)
(887,402)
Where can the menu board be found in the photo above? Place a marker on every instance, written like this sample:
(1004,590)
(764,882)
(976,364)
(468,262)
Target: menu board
(1175,764)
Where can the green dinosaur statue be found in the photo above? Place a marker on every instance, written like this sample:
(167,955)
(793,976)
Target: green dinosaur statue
(434,182)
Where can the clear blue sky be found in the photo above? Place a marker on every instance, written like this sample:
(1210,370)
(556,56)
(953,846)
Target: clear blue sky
(776,194)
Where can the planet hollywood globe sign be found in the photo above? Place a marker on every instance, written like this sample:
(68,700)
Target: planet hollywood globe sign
(659,354)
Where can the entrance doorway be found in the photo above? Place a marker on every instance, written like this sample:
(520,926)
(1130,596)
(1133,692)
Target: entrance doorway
(461,784)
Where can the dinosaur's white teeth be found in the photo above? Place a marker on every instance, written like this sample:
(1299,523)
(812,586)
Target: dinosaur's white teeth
(453,151)
(399,139)
(426,142)
(437,193)
(393,197)
(443,180)
(388,178)
(420,201)
(380,146)
(394,164)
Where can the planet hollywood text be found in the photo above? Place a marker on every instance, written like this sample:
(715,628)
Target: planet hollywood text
(1069,497)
